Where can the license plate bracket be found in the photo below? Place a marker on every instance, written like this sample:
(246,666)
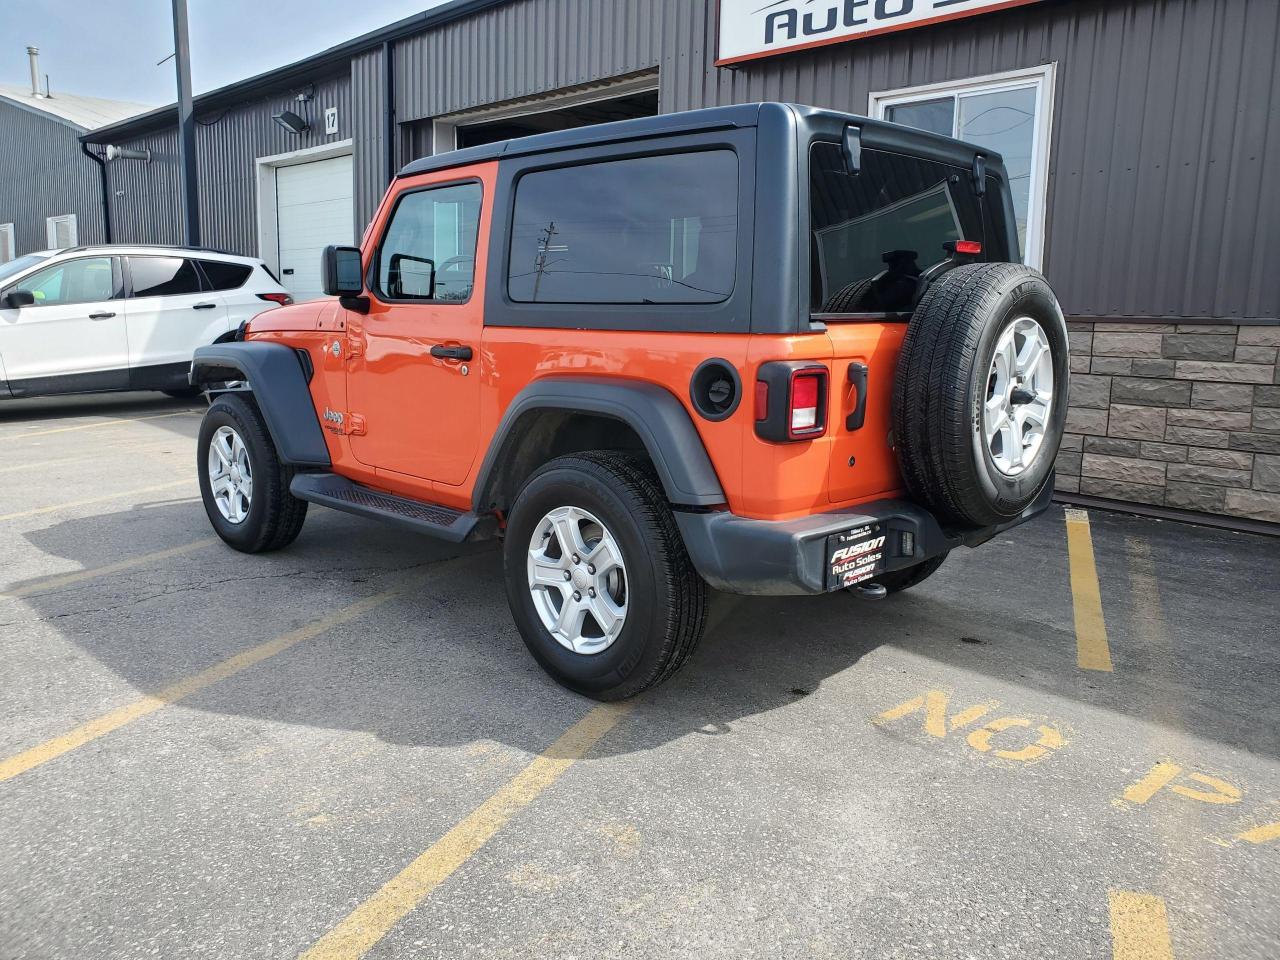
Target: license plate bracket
(855,556)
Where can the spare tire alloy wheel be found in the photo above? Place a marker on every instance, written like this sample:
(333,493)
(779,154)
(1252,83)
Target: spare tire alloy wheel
(980,394)
(577,580)
(1019,397)
(230,475)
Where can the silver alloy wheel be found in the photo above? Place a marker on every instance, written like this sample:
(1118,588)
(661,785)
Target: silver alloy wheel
(230,475)
(578,580)
(1019,396)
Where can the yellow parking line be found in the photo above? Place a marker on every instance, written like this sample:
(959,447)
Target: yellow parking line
(62,580)
(115,719)
(1263,834)
(1139,927)
(371,921)
(97,424)
(1092,650)
(84,503)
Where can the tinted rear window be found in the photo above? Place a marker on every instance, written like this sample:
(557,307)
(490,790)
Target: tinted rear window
(163,276)
(641,230)
(225,276)
(880,229)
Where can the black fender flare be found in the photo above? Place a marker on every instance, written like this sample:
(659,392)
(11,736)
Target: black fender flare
(654,413)
(279,385)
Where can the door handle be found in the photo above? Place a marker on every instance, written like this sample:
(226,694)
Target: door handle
(444,352)
(287,272)
(101,316)
(203,306)
(858,377)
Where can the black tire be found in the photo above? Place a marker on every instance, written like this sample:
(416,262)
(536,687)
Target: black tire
(941,384)
(666,599)
(856,297)
(183,393)
(275,516)
(898,580)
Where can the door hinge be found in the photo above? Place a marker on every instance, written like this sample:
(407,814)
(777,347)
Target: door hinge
(355,424)
(355,347)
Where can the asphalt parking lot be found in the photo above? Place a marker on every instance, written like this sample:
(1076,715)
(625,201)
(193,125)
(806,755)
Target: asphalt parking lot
(1065,744)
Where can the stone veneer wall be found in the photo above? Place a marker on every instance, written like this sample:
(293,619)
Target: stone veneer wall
(1178,415)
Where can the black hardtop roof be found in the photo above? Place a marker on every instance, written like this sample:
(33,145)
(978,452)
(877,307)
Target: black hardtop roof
(693,121)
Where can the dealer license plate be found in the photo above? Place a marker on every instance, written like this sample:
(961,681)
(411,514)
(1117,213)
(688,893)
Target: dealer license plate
(855,555)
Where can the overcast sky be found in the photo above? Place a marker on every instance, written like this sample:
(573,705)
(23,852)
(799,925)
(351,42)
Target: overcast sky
(109,48)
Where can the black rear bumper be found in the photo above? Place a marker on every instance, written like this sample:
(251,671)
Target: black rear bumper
(774,558)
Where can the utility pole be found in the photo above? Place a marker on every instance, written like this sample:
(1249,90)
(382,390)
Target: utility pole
(189,195)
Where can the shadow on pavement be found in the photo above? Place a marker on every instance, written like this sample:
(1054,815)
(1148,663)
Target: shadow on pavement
(48,412)
(442,664)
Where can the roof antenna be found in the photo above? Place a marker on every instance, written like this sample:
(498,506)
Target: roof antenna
(47,94)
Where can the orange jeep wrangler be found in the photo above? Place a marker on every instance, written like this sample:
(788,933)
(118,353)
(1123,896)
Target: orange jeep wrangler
(765,348)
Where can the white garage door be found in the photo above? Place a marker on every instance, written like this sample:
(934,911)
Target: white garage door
(313,210)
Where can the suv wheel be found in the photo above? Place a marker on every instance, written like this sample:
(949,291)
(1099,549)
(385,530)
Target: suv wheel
(598,579)
(980,396)
(244,486)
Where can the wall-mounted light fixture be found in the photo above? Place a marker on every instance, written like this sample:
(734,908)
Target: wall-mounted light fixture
(291,122)
(127,153)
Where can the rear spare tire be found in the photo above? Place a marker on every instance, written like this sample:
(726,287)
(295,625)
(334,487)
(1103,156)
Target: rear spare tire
(980,396)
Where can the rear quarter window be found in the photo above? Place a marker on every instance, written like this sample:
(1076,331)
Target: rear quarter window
(883,227)
(223,275)
(640,230)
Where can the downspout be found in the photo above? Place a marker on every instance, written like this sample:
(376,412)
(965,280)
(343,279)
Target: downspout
(389,108)
(102,175)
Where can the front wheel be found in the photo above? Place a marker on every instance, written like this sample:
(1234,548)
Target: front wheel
(244,486)
(598,579)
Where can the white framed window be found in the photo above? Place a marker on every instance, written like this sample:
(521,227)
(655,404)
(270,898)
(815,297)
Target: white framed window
(7,248)
(1011,113)
(62,232)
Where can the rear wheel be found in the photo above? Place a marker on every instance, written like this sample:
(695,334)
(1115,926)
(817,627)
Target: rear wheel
(598,579)
(244,486)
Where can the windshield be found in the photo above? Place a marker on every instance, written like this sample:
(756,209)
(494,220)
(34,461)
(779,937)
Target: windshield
(873,234)
(15,267)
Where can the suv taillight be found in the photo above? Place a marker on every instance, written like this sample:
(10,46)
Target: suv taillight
(791,401)
(281,298)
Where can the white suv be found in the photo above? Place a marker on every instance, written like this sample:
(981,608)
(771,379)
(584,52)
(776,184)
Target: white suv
(120,317)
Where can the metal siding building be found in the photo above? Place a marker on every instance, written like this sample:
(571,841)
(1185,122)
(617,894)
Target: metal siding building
(1152,207)
(43,172)
(36,149)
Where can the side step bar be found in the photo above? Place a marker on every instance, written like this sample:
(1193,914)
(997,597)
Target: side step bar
(331,490)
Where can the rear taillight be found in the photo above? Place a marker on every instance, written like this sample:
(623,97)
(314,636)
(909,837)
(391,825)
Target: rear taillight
(803,416)
(281,298)
(791,401)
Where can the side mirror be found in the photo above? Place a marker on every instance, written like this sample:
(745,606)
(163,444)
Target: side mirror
(343,272)
(19,298)
(852,150)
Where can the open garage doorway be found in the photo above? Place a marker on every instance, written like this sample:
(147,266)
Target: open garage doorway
(622,99)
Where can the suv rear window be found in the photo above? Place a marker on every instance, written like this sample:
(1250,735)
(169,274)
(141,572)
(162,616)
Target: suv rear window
(163,276)
(223,275)
(659,229)
(890,221)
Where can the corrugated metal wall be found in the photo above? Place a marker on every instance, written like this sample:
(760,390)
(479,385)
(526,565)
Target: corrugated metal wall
(368,130)
(1165,125)
(44,174)
(228,143)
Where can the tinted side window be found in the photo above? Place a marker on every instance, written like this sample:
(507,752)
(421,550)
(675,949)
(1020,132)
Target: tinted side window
(882,228)
(429,250)
(74,281)
(643,230)
(163,276)
(223,275)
